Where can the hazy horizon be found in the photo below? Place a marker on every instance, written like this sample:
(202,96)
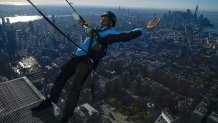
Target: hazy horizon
(210,5)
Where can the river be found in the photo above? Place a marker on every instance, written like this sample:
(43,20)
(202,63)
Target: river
(213,17)
(16,19)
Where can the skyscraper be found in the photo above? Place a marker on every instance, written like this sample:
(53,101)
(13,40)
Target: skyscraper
(11,44)
(86,114)
(3,23)
(196,11)
(165,118)
(53,19)
(1,30)
(31,27)
(8,20)
(1,36)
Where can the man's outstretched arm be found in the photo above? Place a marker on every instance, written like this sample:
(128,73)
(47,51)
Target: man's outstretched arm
(124,36)
(127,36)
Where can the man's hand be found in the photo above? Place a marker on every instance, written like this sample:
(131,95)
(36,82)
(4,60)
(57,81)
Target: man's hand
(81,22)
(153,23)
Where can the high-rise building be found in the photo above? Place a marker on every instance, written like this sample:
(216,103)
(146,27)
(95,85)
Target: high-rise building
(1,29)
(1,35)
(11,42)
(213,118)
(196,12)
(3,22)
(8,20)
(166,118)
(19,38)
(86,114)
(3,79)
(31,27)
(53,19)
(197,116)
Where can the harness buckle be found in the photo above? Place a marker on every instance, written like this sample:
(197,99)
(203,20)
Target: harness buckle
(90,62)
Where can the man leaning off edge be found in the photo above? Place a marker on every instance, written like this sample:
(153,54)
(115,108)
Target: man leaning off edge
(80,64)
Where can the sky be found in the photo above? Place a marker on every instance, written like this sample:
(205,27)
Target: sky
(160,4)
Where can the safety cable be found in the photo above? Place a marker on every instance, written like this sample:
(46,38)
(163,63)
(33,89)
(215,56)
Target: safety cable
(49,21)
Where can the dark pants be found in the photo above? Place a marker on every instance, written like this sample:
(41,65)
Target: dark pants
(78,67)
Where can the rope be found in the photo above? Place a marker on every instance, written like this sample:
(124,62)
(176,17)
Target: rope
(46,18)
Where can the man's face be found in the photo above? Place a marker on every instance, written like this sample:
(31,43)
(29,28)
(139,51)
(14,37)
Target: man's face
(105,21)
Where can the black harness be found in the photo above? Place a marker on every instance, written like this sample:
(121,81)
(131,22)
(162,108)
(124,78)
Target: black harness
(99,50)
(95,54)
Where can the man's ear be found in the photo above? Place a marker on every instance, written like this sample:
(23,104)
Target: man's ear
(111,23)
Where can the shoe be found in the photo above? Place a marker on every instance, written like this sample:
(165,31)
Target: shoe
(43,105)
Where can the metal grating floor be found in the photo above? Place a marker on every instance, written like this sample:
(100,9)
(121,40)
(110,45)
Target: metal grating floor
(17,97)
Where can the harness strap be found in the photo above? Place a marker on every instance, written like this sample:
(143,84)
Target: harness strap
(94,34)
(93,85)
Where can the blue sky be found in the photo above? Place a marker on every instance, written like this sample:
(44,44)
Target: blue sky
(162,4)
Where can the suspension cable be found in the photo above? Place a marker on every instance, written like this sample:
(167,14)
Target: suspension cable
(49,21)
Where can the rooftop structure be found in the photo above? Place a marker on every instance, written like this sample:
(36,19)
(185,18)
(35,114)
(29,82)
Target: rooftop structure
(17,97)
(165,118)
(86,114)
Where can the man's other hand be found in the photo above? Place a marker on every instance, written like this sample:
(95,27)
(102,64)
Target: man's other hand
(153,23)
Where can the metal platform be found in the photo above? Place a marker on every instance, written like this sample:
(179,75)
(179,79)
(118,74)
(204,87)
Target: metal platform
(17,97)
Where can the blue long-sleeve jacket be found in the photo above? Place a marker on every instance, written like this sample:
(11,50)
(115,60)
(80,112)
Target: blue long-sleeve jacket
(109,36)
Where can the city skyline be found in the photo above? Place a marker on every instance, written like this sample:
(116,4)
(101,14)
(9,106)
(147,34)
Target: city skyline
(157,4)
(169,73)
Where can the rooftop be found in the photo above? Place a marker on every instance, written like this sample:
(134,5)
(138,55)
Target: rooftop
(17,97)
